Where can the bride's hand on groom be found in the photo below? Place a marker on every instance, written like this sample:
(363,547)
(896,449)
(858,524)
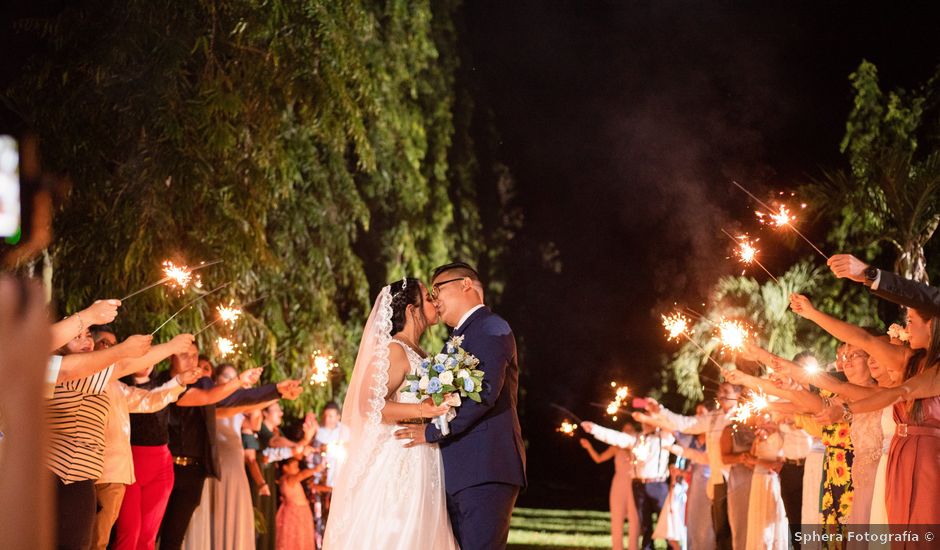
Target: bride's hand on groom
(415,433)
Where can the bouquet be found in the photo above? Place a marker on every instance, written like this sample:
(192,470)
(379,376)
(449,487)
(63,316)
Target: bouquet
(447,377)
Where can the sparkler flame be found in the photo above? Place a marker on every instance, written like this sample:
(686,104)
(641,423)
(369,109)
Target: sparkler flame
(620,396)
(778,219)
(177,275)
(567,428)
(322,365)
(229,314)
(733,334)
(225,346)
(675,324)
(746,251)
(337,451)
(755,403)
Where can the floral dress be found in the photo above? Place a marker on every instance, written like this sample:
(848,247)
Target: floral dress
(837,492)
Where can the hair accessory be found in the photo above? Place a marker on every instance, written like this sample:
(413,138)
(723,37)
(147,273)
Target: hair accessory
(404,283)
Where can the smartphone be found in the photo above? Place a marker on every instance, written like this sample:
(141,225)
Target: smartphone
(639,402)
(10,205)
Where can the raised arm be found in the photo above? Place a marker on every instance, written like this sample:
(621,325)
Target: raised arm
(807,400)
(198,397)
(882,350)
(608,436)
(81,365)
(99,313)
(608,453)
(887,285)
(179,344)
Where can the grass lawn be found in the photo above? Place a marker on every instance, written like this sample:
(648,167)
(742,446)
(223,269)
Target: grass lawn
(534,528)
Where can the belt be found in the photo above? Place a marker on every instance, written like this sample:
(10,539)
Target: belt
(905,430)
(795,461)
(650,479)
(186,461)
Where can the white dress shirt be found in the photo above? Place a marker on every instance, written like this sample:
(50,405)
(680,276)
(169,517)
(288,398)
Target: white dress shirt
(124,399)
(796,442)
(336,438)
(650,451)
(712,425)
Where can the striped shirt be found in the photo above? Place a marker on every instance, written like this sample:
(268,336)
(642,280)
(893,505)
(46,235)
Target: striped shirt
(76,416)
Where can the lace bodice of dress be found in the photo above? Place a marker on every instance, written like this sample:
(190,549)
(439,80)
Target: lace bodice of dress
(414,360)
(867,437)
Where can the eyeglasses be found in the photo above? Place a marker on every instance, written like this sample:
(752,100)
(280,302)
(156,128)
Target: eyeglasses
(853,355)
(436,287)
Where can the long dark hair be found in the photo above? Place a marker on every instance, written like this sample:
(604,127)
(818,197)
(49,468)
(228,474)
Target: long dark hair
(406,292)
(921,361)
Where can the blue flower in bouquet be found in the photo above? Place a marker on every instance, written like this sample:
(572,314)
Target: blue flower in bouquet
(438,368)
(414,387)
(468,384)
(434,385)
(450,363)
(450,347)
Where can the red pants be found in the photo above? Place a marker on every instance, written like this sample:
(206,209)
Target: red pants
(145,500)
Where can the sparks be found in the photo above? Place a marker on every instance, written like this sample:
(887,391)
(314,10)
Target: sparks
(337,451)
(225,346)
(229,314)
(676,325)
(322,365)
(180,276)
(746,251)
(755,403)
(567,428)
(620,396)
(778,219)
(733,334)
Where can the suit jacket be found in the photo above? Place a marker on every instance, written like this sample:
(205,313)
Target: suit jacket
(909,293)
(485,440)
(203,418)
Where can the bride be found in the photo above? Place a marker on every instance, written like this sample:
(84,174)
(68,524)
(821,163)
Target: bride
(387,496)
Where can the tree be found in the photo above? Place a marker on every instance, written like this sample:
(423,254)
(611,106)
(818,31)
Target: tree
(306,143)
(889,194)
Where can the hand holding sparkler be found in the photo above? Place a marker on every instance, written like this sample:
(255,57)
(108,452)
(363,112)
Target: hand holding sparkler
(289,389)
(249,377)
(101,312)
(188,377)
(801,305)
(135,346)
(847,266)
(181,343)
(587,426)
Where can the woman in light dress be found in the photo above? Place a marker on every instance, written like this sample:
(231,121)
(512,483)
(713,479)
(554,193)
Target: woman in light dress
(622,505)
(388,496)
(767,526)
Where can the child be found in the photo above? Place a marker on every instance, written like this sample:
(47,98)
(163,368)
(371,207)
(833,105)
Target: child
(294,519)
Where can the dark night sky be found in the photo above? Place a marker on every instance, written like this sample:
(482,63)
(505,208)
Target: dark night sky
(623,124)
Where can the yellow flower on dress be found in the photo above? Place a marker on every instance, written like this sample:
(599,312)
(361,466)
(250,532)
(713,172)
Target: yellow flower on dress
(827,500)
(845,503)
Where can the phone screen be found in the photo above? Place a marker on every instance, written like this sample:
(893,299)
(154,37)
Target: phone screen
(9,189)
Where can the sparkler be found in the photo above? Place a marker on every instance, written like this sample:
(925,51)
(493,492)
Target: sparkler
(620,396)
(755,403)
(180,275)
(189,303)
(227,314)
(336,451)
(677,325)
(733,334)
(322,365)
(567,428)
(747,253)
(225,346)
(779,218)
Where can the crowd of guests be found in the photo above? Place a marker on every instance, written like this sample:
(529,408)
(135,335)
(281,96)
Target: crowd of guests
(842,456)
(138,457)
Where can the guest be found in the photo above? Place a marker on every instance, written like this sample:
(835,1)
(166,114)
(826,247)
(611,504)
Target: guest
(701,532)
(294,519)
(622,504)
(76,416)
(192,438)
(767,518)
(651,469)
(670,525)
(333,435)
(118,468)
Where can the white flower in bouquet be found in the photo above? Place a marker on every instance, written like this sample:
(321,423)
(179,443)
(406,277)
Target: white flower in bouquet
(463,373)
(423,383)
(446,377)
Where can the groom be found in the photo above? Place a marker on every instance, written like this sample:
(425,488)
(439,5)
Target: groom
(484,458)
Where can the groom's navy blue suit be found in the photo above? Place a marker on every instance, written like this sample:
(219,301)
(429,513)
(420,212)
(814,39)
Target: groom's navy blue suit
(484,458)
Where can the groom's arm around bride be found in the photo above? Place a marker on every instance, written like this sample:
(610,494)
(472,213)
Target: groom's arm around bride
(484,457)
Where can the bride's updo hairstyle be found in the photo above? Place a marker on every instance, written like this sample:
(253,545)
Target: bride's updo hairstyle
(406,292)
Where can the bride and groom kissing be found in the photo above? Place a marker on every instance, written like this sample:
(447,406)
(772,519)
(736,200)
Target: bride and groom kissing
(406,485)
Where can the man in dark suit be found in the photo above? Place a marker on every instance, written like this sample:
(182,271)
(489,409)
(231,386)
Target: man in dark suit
(484,456)
(887,285)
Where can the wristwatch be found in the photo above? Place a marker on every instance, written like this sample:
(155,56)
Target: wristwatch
(871,274)
(846,413)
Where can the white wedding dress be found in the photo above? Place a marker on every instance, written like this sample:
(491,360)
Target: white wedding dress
(386,496)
